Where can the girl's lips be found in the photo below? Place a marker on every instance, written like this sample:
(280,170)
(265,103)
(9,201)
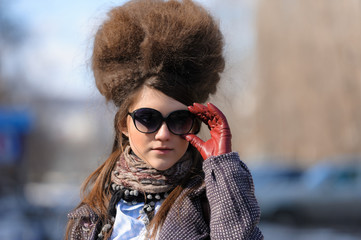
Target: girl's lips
(162,150)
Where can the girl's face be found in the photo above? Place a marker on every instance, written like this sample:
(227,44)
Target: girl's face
(161,149)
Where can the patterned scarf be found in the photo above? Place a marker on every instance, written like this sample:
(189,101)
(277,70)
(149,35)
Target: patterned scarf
(132,172)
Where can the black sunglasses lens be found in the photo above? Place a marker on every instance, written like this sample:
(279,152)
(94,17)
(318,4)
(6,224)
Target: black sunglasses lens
(147,120)
(180,122)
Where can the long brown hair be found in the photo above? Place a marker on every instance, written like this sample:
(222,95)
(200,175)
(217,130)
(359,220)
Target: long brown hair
(173,46)
(95,191)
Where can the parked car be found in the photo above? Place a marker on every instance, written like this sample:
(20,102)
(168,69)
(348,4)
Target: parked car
(327,192)
(16,220)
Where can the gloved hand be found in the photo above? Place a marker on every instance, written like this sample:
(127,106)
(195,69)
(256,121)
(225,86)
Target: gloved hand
(220,141)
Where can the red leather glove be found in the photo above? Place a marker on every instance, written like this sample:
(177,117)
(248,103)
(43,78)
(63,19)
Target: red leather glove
(220,141)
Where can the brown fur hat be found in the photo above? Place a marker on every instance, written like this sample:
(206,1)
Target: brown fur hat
(173,46)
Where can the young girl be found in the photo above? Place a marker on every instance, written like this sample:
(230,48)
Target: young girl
(156,60)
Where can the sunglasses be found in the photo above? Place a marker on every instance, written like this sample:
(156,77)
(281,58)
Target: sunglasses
(148,120)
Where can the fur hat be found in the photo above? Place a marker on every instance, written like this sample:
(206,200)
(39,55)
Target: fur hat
(173,46)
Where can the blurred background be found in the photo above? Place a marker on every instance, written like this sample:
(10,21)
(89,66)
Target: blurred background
(291,92)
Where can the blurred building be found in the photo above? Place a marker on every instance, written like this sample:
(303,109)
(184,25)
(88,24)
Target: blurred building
(306,91)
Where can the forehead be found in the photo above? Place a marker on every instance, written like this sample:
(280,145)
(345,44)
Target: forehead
(151,98)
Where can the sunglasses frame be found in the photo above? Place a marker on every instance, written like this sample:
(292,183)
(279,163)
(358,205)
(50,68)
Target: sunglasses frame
(164,119)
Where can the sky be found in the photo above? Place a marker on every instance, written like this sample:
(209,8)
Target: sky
(55,55)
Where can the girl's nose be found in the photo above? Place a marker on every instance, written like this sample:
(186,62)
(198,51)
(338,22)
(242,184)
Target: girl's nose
(163,133)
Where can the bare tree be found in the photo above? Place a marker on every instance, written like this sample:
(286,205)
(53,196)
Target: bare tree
(12,35)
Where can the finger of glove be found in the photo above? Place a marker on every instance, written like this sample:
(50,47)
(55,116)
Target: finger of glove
(223,133)
(200,111)
(218,116)
(195,141)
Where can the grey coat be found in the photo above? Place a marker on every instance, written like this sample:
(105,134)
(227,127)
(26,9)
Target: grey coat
(234,211)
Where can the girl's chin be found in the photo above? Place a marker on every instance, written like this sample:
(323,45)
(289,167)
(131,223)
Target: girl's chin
(161,167)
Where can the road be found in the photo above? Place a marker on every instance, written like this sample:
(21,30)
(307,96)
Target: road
(272,231)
